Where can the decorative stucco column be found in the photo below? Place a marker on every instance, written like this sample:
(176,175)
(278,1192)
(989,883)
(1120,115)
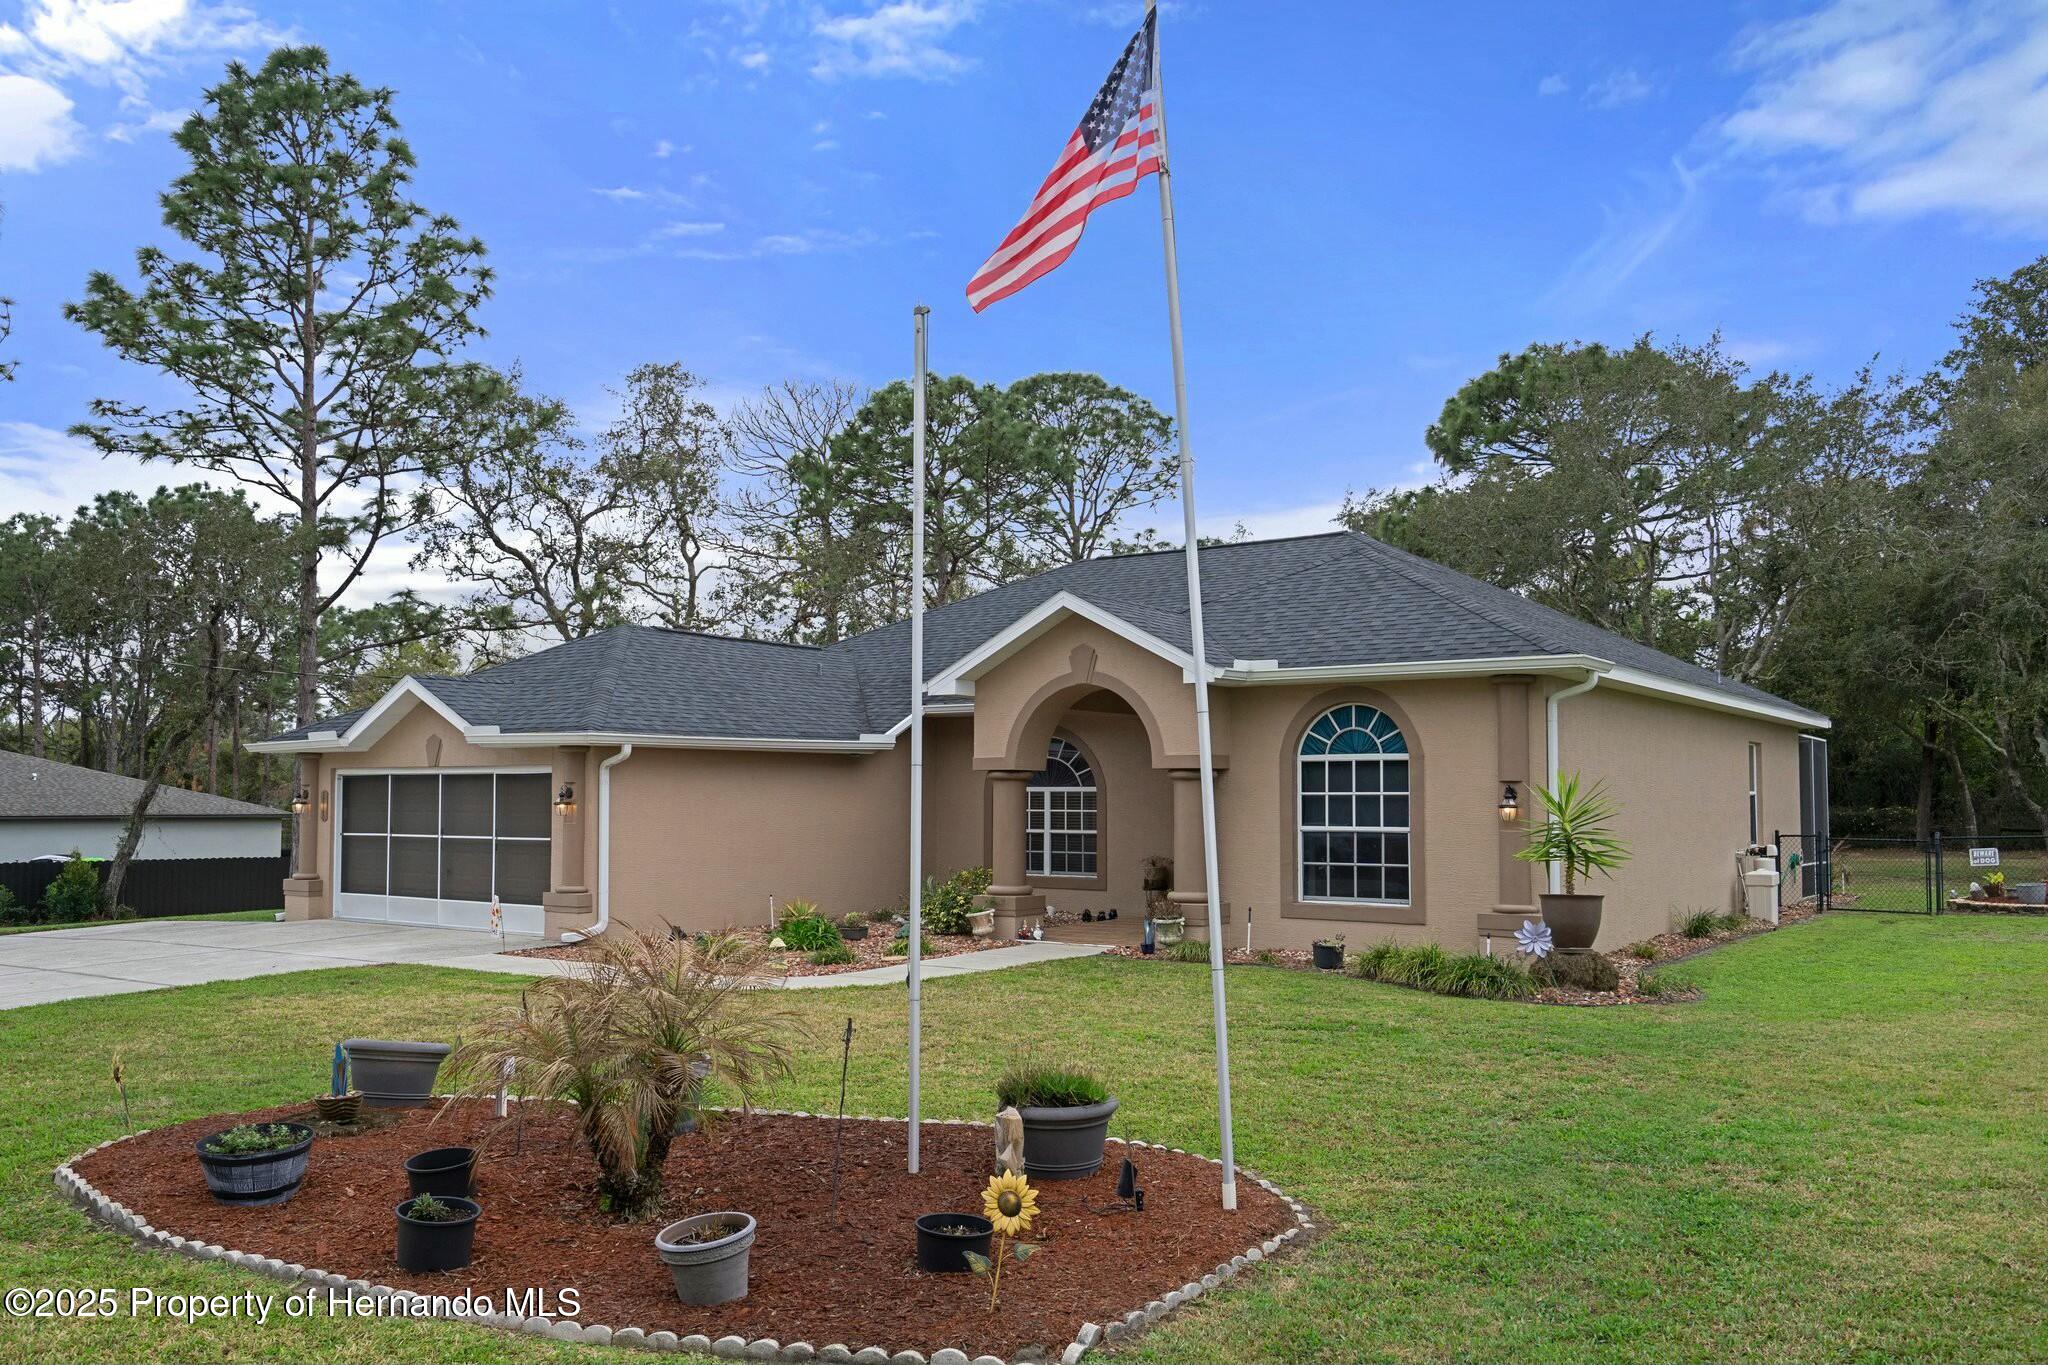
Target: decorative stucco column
(567,903)
(1010,895)
(1190,894)
(305,890)
(1512,901)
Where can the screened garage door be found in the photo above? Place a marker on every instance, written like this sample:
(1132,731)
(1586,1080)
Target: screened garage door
(439,848)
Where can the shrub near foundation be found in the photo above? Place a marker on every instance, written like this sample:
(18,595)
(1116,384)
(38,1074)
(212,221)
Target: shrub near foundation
(1580,971)
(1427,967)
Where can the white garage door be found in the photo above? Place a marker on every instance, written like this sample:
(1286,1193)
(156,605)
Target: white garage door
(439,848)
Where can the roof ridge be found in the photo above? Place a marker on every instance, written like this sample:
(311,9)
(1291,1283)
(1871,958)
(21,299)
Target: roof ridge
(1393,557)
(601,708)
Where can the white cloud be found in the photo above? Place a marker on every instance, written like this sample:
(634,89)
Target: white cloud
(36,127)
(156,121)
(1893,110)
(899,38)
(664,149)
(1552,84)
(1617,88)
(825,144)
(754,58)
(619,194)
(689,229)
(122,43)
(1633,234)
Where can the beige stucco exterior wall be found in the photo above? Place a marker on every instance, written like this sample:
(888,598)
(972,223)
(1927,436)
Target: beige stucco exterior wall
(1450,728)
(1681,777)
(702,838)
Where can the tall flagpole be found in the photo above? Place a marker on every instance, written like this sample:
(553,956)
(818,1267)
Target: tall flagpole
(1201,657)
(920,313)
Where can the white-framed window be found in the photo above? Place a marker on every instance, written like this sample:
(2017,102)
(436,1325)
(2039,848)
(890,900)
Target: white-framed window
(1352,799)
(457,836)
(1756,786)
(1060,815)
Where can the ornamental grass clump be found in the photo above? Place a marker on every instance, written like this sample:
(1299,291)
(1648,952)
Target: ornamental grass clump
(835,954)
(807,933)
(1042,1086)
(629,1039)
(1427,967)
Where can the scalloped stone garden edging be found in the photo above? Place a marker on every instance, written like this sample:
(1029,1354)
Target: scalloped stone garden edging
(123,1219)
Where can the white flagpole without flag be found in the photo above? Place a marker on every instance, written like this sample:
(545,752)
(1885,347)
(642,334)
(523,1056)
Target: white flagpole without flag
(920,313)
(1201,659)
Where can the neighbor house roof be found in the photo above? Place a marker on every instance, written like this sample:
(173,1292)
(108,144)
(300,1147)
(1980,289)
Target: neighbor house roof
(1340,604)
(40,789)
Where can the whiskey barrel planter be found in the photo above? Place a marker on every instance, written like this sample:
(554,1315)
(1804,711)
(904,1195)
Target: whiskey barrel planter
(256,1177)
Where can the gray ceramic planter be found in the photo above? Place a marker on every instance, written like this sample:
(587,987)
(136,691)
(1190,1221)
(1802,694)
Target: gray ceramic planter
(393,1074)
(1065,1143)
(258,1177)
(1574,921)
(2030,893)
(707,1273)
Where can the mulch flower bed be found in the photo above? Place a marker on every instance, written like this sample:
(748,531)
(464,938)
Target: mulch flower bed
(817,1277)
(872,951)
(1629,966)
(1986,905)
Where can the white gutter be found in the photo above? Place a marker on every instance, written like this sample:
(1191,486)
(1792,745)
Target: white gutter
(1550,761)
(604,849)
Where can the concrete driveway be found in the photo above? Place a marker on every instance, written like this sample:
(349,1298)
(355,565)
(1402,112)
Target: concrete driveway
(142,955)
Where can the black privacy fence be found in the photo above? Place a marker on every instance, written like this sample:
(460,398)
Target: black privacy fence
(157,887)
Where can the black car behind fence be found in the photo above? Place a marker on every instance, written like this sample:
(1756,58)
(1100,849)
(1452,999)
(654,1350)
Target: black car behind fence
(1942,874)
(156,887)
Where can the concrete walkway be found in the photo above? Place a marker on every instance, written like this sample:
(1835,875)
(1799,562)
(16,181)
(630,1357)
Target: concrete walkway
(144,955)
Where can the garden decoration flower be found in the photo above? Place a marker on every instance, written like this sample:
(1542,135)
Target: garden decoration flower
(1010,1203)
(1533,939)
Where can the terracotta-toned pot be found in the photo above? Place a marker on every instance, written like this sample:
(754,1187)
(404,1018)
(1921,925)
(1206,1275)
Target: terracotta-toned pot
(1574,921)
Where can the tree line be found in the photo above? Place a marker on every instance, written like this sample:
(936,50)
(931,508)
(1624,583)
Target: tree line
(1869,549)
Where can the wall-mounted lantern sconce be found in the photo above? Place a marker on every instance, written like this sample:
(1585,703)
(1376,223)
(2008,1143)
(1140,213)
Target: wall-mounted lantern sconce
(1510,804)
(565,799)
(302,801)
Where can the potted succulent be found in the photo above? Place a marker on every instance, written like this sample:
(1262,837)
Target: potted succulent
(394,1074)
(944,1239)
(1066,1115)
(1575,832)
(853,926)
(1158,874)
(255,1163)
(706,1256)
(1329,952)
(436,1232)
(442,1171)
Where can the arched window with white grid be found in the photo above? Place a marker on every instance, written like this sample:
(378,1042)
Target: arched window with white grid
(1060,815)
(1353,808)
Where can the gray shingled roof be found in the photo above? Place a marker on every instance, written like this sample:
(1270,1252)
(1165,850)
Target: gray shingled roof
(39,789)
(1311,601)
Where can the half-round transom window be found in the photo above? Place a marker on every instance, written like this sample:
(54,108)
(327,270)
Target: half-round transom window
(1061,833)
(1354,807)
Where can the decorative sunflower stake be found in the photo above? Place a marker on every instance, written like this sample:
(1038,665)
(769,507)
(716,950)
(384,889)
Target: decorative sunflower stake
(1010,1203)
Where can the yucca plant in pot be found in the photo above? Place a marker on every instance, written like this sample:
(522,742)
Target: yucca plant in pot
(1575,831)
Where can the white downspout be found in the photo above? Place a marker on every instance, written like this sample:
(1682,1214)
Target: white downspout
(604,848)
(1550,760)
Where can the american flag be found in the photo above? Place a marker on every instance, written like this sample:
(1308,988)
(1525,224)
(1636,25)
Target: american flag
(1116,145)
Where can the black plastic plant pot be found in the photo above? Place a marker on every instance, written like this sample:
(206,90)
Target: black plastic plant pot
(425,1245)
(257,1177)
(944,1239)
(394,1074)
(853,933)
(1329,956)
(442,1172)
(1065,1142)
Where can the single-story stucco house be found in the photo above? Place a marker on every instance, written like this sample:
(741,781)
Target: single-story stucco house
(50,810)
(1370,710)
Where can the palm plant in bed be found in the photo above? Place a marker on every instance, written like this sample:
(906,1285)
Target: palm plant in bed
(1576,833)
(630,1038)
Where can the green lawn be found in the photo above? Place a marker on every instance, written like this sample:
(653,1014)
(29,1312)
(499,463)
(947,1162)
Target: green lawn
(1839,1154)
(157,919)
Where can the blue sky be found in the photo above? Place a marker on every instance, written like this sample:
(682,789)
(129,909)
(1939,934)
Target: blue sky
(1375,200)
